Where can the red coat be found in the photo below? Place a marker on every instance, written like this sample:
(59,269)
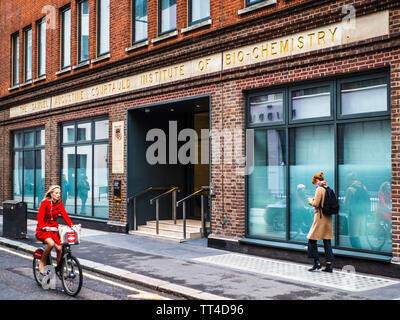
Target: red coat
(47,217)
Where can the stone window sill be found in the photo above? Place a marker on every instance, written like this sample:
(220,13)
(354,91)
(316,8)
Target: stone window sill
(101,58)
(62,71)
(25,84)
(165,36)
(197,26)
(81,65)
(14,88)
(137,46)
(257,6)
(41,78)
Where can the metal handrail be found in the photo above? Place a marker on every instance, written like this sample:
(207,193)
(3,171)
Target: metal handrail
(138,195)
(173,190)
(183,201)
(164,194)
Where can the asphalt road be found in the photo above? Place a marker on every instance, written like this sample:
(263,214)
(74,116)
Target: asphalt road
(17,283)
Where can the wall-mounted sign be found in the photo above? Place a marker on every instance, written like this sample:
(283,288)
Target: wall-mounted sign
(117,190)
(118,147)
(366,27)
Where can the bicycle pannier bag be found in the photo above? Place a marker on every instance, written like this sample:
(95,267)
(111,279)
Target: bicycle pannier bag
(69,235)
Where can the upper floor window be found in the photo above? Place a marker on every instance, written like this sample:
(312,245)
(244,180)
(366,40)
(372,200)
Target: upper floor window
(250,2)
(28,54)
(83,31)
(15,59)
(199,10)
(139,20)
(166,15)
(65,37)
(41,47)
(103,27)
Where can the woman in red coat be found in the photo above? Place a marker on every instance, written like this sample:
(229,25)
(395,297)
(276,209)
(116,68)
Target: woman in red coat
(50,208)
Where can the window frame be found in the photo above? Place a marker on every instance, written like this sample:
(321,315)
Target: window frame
(39,46)
(79,30)
(36,147)
(249,4)
(133,24)
(15,63)
(311,86)
(335,121)
(63,10)
(190,14)
(26,30)
(365,114)
(99,34)
(75,144)
(159,31)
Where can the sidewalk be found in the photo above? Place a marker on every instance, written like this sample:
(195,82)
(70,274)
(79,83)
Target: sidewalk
(194,271)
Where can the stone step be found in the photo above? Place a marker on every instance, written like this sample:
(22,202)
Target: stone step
(169,225)
(170,232)
(155,236)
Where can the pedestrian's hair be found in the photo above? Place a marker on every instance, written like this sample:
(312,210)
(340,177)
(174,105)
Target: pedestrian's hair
(319,176)
(47,195)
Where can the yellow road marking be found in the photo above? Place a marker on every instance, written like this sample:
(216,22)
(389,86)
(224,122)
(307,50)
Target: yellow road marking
(139,295)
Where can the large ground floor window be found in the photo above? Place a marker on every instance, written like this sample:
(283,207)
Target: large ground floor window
(29,166)
(84,174)
(340,127)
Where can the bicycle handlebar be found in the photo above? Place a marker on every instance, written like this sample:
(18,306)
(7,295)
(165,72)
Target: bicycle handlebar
(50,229)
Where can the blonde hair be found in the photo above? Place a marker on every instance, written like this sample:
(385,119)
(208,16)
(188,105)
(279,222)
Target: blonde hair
(47,195)
(319,176)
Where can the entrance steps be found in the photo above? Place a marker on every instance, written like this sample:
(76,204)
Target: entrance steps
(170,231)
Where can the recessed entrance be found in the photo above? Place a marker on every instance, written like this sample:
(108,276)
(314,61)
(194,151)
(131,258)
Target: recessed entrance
(168,147)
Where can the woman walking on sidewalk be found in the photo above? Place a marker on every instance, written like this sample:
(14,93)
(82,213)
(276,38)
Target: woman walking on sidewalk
(50,208)
(322,227)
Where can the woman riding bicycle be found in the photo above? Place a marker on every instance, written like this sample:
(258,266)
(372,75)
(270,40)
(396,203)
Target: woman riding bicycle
(50,208)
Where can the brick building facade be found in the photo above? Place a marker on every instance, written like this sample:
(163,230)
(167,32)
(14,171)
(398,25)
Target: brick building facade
(242,54)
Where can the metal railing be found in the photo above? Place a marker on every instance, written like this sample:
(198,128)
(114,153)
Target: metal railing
(138,195)
(172,191)
(204,190)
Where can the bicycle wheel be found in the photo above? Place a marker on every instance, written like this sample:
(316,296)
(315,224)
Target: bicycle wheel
(71,276)
(36,274)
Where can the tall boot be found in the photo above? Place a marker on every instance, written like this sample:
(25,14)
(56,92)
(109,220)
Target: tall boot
(317,265)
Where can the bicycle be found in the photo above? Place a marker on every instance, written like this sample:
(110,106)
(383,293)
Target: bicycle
(68,269)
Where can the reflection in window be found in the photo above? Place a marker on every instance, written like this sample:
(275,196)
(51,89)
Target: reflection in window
(29,167)
(364,185)
(312,150)
(311,103)
(199,11)
(83,40)
(85,168)
(15,59)
(41,44)
(28,54)
(66,38)
(167,15)
(103,27)
(266,109)
(267,185)
(140,24)
(364,96)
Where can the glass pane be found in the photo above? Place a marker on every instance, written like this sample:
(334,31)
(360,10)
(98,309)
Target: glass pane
(84,132)
(365,186)
(67,39)
(364,96)
(168,15)
(267,185)
(15,60)
(311,103)
(40,137)
(312,151)
(29,139)
(17,176)
(29,177)
(40,176)
(28,55)
(18,140)
(68,133)
(104,26)
(42,55)
(140,20)
(266,109)
(200,9)
(101,181)
(84,28)
(84,180)
(68,179)
(101,129)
